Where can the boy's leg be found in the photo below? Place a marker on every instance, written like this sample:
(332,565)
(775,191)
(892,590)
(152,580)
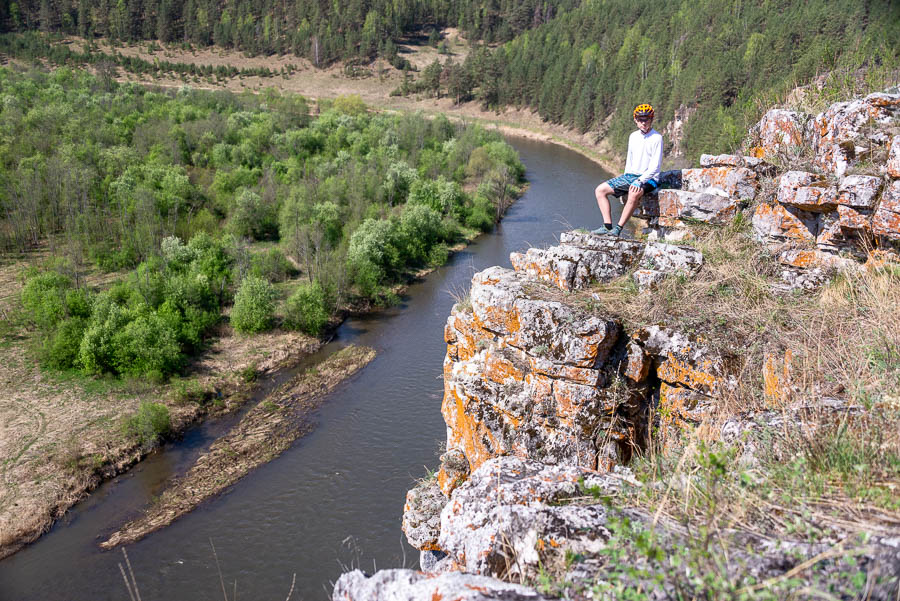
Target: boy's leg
(634,197)
(602,192)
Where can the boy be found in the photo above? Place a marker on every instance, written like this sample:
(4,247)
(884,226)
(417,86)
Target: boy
(645,148)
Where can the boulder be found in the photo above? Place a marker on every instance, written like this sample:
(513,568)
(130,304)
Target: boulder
(893,162)
(510,517)
(410,585)
(859,191)
(848,131)
(684,360)
(582,259)
(791,180)
(675,206)
(647,279)
(579,261)
(738,182)
(779,131)
(732,160)
(421,515)
(854,220)
(774,223)
(886,220)
(668,258)
(817,198)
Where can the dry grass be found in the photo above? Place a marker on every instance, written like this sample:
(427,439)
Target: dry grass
(844,338)
(811,475)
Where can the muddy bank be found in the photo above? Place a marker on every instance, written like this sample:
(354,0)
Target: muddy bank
(264,433)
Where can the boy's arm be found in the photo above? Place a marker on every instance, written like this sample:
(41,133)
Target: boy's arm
(652,171)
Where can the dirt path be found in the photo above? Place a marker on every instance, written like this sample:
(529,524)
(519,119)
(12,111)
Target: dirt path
(264,433)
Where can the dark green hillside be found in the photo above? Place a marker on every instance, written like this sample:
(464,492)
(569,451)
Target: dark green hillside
(728,58)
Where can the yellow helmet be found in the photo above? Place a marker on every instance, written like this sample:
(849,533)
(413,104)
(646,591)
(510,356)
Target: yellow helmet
(643,110)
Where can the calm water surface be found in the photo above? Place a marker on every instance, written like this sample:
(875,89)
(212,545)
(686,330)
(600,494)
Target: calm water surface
(334,500)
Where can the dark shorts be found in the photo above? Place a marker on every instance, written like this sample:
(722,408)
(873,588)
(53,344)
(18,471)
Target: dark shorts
(620,184)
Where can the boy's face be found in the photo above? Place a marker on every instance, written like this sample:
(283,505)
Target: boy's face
(644,123)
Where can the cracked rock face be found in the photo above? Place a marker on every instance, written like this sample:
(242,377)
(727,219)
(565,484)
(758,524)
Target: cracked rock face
(507,521)
(584,259)
(409,585)
(780,131)
(421,515)
(843,134)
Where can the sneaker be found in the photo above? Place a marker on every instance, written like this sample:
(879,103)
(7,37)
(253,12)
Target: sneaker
(602,231)
(616,230)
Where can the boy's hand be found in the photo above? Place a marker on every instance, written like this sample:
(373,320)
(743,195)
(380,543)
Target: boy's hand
(635,188)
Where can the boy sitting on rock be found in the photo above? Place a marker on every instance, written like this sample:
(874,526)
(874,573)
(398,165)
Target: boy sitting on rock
(645,150)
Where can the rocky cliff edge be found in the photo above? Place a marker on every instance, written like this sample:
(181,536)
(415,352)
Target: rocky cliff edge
(550,397)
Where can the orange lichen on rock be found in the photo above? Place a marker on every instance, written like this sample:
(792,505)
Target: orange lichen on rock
(637,366)
(464,432)
(777,221)
(500,368)
(777,378)
(850,218)
(698,375)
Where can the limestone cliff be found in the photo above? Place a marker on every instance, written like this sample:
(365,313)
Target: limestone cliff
(547,396)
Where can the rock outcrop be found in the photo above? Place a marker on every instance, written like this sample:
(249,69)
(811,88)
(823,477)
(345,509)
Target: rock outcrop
(840,211)
(546,398)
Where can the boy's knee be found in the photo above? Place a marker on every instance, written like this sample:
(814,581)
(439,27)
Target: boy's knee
(603,190)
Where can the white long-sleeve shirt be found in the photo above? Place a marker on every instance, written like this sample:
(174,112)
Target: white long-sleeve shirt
(645,153)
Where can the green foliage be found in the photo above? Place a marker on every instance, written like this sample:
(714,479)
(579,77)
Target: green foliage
(354,200)
(308,308)
(253,218)
(44,297)
(149,424)
(254,306)
(372,254)
(61,347)
(270,265)
(728,59)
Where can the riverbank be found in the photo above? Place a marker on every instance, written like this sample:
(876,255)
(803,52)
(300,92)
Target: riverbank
(61,434)
(265,432)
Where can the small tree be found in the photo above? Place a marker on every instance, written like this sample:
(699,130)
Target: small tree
(254,306)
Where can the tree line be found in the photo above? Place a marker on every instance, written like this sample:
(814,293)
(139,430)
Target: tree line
(318,30)
(206,202)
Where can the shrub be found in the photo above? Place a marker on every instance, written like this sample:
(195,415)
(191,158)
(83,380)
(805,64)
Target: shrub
(254,306)
(151,422)
(372,254)
(44,298)
(481,215)
(308,308)
(146,346)
(270,265)
(420,229)
(61,347)
(251,217)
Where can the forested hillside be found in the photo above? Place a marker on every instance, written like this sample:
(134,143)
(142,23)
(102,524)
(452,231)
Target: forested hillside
(187,193)
(728,59)
(319,31)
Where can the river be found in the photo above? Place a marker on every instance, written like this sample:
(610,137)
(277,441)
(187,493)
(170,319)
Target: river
(334,500)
